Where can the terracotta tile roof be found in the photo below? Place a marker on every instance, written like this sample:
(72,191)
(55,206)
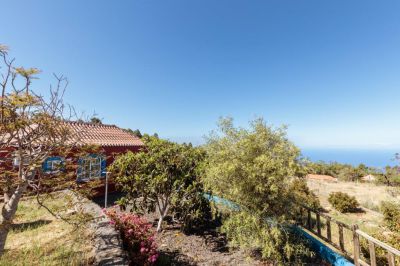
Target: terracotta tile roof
(103,135)
(321,177)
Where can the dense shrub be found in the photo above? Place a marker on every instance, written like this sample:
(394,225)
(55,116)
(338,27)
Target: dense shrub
(253,168)
(137,234)
(303,195)
(343,202)
(250,232)
(391,215)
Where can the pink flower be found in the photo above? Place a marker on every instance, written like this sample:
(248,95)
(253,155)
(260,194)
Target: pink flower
(153,258)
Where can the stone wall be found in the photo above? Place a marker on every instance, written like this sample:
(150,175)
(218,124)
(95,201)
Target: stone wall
(108,249)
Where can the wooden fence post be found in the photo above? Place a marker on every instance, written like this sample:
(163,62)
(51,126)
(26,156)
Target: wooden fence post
(356,242)
(391,259)
(328,229)
(341,240)
(372,253)
(318,224)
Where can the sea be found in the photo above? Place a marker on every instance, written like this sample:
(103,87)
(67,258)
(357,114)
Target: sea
(373,158)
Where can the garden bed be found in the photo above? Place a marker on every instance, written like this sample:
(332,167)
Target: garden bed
(205,247)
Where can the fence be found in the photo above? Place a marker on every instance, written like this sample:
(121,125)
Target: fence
(312,220)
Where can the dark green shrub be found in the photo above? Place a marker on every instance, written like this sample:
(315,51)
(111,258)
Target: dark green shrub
(391,215)
(343,202)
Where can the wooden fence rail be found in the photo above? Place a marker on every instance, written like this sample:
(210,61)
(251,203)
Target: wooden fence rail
(315,227)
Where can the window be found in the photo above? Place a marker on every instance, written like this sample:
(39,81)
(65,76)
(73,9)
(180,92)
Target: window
(91,167)
(17,160)
(53,165)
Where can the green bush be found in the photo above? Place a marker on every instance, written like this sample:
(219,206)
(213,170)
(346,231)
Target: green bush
(303,195)
(343,202)
(277,244)
(391,215)
(253,168)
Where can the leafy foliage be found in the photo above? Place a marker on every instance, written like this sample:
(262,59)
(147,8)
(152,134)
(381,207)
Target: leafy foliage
(302,194)
(391,215)
(253,168)
(275,241)
(344,172)
(343,202)
(135,132)
(165,177)
(96,120)
(138,235)
(390,176)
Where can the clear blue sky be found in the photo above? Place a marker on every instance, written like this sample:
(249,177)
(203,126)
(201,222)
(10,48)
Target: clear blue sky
(328,69)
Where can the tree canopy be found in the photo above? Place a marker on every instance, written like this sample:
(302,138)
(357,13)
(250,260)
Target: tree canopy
(165,177)
(254,168)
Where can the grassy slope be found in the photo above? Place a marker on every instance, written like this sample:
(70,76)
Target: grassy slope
(368,195)
(38,238)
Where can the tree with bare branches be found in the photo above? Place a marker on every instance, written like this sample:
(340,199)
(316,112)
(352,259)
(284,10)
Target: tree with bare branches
(32,128)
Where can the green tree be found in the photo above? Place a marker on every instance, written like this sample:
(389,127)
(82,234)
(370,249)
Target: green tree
(96,120)
(254,168)
(165,178)
(390,176)
(136,133)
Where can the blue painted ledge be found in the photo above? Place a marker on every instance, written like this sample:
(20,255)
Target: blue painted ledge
(320,248)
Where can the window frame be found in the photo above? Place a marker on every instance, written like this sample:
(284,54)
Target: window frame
(86,171)
(52,160)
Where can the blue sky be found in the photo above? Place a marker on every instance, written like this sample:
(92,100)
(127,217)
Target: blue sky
(328,69)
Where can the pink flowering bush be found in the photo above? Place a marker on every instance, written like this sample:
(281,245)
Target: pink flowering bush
(137,234)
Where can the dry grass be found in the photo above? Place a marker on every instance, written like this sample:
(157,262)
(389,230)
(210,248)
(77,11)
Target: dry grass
(368,195)
(38,238)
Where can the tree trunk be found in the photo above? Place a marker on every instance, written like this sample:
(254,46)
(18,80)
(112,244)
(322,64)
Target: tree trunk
(163,212)
(8,213)
(159,223)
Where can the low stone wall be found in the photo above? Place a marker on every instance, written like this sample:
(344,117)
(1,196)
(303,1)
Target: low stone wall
(107,242)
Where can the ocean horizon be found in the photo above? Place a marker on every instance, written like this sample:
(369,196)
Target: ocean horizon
(369,157)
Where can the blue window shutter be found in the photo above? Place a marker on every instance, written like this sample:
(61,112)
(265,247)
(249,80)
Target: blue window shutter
(103,166)
(45,164)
